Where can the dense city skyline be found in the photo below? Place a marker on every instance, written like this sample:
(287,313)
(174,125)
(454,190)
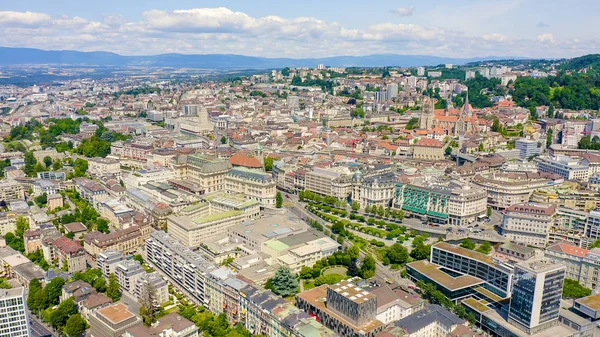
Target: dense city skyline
(463,29)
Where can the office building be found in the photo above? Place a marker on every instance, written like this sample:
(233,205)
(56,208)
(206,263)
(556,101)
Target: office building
(529,223)
(112,321)
(125,240)
(14,320)
(536,294)
(567,167)
(392,90)
(171,325)
(497,276)
(343,307)
(206,174)
(108,260)
(527,148)
(193,231)
(329,181)
(507,189)
(255,184)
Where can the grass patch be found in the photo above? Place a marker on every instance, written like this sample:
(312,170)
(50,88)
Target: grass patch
(335,270)
(308,284)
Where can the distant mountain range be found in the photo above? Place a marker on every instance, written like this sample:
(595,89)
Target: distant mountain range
(23,56)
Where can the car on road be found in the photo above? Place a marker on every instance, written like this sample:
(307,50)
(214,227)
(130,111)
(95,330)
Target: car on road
(287,196)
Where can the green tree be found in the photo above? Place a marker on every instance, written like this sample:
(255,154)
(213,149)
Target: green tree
(367,269)
(468,244)
(80,167)
(551,111)
(48,161)
(42,199)
(397,254)
(355,206)
(413,123)
(549,135)
(139,258)
(99,284)
(278,200)
(421,252)
(367,209)
(284,282)
(22,224)
(485,248)
(269,163)
(54,290)
(35,287)
(489,211)
(223,140)
(65,309)
(573,289)
(112,290)
(75,326)
(102,225)
(4,284)
(595,244)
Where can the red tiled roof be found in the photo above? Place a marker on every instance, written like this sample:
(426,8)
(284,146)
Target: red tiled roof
(568,249)
(429,142)
(246,160)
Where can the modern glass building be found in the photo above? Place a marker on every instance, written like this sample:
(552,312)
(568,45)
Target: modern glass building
(537,290)
(497,276)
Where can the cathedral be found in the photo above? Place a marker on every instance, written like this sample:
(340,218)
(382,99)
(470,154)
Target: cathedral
(452,121)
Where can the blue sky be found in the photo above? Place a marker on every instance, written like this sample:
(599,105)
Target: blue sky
(458,28)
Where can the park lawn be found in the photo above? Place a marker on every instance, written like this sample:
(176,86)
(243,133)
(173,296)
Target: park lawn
(336,270)
(308,284)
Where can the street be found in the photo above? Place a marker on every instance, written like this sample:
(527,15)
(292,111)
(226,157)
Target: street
(38,329)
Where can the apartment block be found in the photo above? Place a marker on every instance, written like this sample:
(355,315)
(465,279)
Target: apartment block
(112,321)
(182,266)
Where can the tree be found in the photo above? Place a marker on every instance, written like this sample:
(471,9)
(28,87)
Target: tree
(148,303)
(65,309)
(42,199)
(413,123)
(80,167)
(223,140)
(485,248)
(397,254)
(551,111)
(22,224)
(35,287)
(421,252)
(75,326)
(112,290)
(367,269)
(489,211)
(595,244)
(100,284)
(367,209)
(353,252)
(468,244)
(48,161)
(54,290)
(572,289)
(102,225)
(549,135)
(355,206)
(57,165)
(284,282)
(278,200)
(138,258)
(306,272)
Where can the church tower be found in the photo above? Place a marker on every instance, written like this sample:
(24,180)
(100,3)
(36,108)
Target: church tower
(427,115)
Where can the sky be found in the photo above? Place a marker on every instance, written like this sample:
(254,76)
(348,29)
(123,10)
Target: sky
(307,28)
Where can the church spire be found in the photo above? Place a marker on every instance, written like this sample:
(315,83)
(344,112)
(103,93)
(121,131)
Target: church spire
(467,107)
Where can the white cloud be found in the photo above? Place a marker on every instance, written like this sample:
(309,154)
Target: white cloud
(221,30)
(546,38)
(23,18)
(404,11)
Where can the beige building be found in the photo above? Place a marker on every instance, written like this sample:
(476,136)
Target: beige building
(428,149)
(55,201)
(254,184)
(104,167)
(126,241)
(507,189)
(11,190)
(333,181)
(583,265)
(206,174)
(373,189)
(528,223)
(194,231)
